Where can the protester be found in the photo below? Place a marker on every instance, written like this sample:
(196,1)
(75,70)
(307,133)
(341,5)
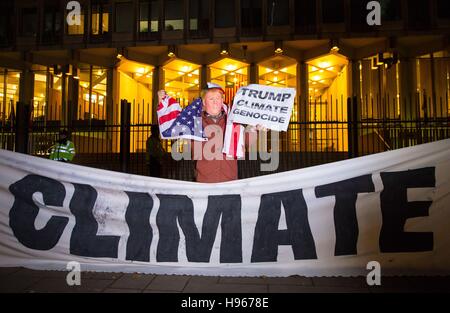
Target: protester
(64,149)
(212,164)
(154,153)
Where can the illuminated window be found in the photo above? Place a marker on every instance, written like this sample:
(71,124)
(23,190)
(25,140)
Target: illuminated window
(279,71)
(182,81)
(173,15)
(328,85)
(199,15)
(47,98)
(99,19)
(9,94)
(76,29)
(231,74)
(92,93)
(148,16)
(135,85)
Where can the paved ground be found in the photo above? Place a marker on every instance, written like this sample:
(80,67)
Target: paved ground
(29,281)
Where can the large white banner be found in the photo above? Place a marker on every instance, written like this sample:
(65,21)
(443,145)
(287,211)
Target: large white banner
(333,219)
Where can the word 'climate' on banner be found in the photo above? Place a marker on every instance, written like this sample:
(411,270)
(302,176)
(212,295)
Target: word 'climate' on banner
(328,220)
(264,105)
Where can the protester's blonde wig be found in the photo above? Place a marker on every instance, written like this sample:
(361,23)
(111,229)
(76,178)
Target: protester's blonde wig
(205,91)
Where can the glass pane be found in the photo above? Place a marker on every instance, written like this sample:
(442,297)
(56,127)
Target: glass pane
(124,12)
(83,93)
(173,16)
(105,22)
(391,10)
(182,81)
(95,21)
(231,75)
(224,13)
(278,12)
(76,29)
(29,22)
(333,11)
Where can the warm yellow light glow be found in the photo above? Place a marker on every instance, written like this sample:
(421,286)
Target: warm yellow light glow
(171,54)
(230,67)
(185,68)
(119,56)
(335,49)
(190,75)
(276,72)
(278,50)
(275,79)
(317,77)
(196,81)
(99,73)
(324,64)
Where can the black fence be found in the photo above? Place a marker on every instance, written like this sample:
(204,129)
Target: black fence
(329,131)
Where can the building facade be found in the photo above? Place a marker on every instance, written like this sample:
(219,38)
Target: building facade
(75,76)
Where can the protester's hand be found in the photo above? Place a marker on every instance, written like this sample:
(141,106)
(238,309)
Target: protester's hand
(161,95)
(260,127)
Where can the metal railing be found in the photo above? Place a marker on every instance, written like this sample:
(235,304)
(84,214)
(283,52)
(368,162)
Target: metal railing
(331,131)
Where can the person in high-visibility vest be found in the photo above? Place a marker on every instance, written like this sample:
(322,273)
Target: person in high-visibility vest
(64,149)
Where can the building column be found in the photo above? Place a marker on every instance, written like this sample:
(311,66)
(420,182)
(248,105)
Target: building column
(303,88)
(64,111)
(26,87)
(303,104)
(354,85)
(253,77)
(110,95)
(204,76)
(157,84)
(72,99)
(408,98)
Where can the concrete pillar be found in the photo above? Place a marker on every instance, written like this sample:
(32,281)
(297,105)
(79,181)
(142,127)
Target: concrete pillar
(354,84)
(26,89)
(253,75)
(204,76)
(408,96)
(157,84)
(64,110)
(303,104)
(110,95)
(303,89)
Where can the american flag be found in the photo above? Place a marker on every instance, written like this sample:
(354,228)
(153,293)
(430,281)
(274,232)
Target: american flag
(174,123)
